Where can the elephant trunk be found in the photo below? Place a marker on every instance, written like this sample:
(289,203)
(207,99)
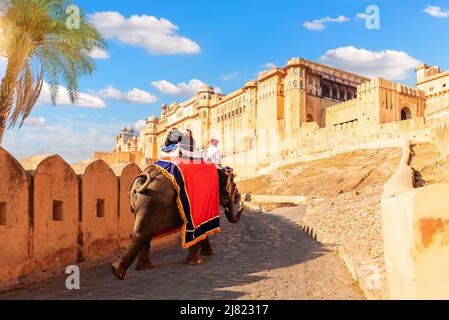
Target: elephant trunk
(232,213)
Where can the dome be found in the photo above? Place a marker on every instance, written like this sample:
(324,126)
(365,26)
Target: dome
(152,119)
(206,88)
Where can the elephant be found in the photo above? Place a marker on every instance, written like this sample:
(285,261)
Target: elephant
(154,199)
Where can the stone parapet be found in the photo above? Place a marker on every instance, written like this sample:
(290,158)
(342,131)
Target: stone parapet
(51,218)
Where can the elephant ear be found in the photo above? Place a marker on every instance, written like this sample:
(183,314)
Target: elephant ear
(139,184)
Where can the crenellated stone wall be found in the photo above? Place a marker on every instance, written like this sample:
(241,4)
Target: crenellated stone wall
(312,142)
(53,216)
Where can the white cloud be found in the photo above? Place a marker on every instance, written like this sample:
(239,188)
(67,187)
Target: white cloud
(320,24)
(99,54)
(132,96)
(3,65)
(182,89)
(35,122)
(229,77)
(390,64)
(157,36)
(70,142)
(85,100)
(362,16)
(437,12)
(139,125)
(268,65)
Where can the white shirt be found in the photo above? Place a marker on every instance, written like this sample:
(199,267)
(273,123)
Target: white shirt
(213,155)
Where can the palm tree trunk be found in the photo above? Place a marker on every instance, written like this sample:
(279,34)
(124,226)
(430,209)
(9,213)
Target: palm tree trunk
(17,56)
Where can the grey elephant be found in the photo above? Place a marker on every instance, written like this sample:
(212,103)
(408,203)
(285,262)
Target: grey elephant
(154,199)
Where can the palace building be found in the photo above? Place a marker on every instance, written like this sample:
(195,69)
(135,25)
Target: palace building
(303,107)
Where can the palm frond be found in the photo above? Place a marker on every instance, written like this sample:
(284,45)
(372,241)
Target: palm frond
(40,46)
(28,90)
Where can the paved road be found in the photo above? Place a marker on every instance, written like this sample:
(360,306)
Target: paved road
(265,256)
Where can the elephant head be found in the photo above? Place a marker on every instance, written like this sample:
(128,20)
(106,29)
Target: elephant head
(228,199)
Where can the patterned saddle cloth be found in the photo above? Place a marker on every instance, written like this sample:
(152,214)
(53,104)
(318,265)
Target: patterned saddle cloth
(196,183)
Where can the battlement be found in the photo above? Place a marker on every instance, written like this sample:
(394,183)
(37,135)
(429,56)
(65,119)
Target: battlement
(341,106)
(389,85)
(79,213)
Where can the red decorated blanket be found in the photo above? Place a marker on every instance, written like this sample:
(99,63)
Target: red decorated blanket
(196,183)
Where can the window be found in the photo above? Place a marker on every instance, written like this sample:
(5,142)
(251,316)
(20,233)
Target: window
(406,114)
(58,210)
(100,208)
(3,207)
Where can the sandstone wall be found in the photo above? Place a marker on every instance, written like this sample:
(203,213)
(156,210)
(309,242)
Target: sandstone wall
(14,215)
(415,236)
(99,210)
(311,141)
(53,215)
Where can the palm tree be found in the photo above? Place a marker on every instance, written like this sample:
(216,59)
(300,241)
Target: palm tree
(39,45)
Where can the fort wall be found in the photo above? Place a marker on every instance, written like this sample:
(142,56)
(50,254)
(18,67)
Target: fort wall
(53,216)
(313,141)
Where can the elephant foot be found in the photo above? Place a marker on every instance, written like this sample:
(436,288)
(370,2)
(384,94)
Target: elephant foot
(144,266)
(118,270)
(194,260)
(207,252)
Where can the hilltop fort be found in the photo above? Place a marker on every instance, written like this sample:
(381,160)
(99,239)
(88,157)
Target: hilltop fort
(301,109)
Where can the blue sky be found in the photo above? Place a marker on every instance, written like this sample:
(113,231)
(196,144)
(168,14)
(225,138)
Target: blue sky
(161,51)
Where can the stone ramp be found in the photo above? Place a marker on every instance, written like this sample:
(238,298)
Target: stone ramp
(265,256)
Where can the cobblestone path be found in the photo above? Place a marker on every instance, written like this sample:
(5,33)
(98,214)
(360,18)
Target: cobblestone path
(265,256)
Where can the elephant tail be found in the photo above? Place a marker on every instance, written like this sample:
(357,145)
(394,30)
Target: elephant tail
(138,185)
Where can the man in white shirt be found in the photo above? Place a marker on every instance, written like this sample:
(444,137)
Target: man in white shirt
(213,154)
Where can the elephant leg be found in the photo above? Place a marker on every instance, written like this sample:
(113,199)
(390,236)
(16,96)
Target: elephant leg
(143,261)
(206,248)
(145,228)
(194,258)
(120,266)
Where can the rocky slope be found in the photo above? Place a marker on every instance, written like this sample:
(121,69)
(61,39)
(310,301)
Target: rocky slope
(344,210)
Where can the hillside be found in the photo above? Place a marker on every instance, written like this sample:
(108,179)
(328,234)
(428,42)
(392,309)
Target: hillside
(344,210)
(358,171)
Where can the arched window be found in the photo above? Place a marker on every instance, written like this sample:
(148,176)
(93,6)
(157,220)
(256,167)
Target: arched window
(406,113)
(295,84)
(334,94)
(326,91)
(309,118)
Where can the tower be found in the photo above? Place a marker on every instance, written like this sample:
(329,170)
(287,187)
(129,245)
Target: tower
(148,136)
(295,97)
(204,103)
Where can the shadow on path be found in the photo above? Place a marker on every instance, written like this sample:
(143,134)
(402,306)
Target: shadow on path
(245,254)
